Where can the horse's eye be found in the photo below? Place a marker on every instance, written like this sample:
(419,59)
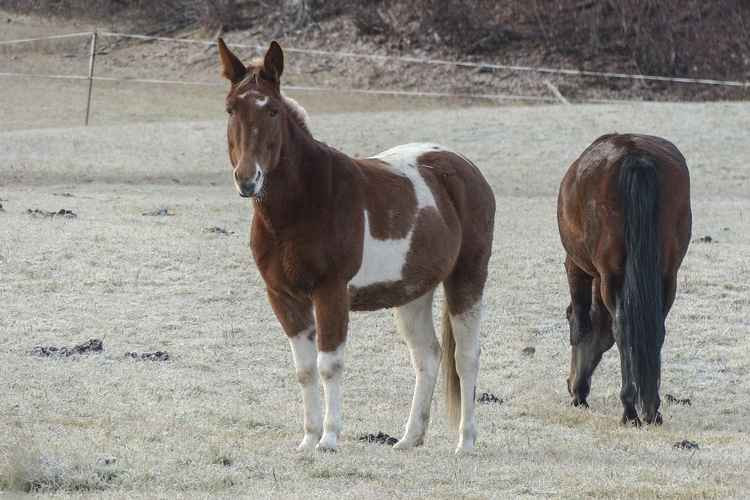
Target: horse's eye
(230,111)
(273,111)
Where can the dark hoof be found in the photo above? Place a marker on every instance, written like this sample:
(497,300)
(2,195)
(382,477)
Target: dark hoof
(579,403)
(657,420)
(632,421)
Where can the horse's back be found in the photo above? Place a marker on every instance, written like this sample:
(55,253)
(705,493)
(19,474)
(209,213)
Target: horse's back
(422,206)
(590,208)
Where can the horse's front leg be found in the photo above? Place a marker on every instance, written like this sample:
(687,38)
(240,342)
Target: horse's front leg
(331,303)
(296,318)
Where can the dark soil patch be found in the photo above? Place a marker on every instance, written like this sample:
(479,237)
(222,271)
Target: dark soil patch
(528,351)
(148,356)
(487,398)
(379,438)
(705,239)
(64,195)
(93,346)
(217,230)
(223,460)
(686,445)
(677,401)
(64,213)
(158,212)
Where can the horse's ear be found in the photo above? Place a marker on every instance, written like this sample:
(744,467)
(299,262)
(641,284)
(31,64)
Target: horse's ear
(273,62)
(232,68)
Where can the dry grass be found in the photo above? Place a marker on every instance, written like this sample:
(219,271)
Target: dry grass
(223,416)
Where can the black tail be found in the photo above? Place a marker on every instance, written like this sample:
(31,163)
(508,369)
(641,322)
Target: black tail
(641,301)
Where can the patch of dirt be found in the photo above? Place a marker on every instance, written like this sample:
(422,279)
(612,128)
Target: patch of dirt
(92,346)
(158,212)
(487,398)
(686,445)
(217,230)
(528,351)
(379,438)
(677,401)
(705,239)
(64,213)
(148,356)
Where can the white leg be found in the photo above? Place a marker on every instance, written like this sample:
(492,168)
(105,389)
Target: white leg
(331,368)
(466,333)
(305,354)
(414,321)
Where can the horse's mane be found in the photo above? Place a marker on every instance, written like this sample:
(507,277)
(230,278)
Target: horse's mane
(296,111)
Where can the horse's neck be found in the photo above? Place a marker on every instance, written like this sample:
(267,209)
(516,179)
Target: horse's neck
(303,164)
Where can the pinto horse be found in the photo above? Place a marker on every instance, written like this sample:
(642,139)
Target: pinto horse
(332,234)
(625,220)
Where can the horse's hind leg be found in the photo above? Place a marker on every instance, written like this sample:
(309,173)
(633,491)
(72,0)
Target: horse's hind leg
(414,321)
(590,331)
(465,322)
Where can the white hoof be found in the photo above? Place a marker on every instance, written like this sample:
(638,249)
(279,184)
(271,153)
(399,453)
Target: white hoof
(308,442)
(465,447)
(407,443)
(327,442)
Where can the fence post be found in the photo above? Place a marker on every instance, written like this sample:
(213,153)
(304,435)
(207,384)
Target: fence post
(91,75)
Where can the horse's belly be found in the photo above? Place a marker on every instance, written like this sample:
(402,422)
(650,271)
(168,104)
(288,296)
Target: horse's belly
(396,271)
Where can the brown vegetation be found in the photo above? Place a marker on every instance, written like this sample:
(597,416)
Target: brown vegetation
(659,37)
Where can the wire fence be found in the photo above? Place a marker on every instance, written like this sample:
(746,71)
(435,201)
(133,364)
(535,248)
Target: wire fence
(555,95)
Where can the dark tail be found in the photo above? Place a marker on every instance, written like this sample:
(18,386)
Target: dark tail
(452,382)
(642,296)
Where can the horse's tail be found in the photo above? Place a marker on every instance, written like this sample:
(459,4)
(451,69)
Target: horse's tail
(452,382)
(640,303)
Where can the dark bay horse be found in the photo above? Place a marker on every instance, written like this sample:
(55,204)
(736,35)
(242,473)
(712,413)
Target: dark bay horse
(625,220)
(332,234)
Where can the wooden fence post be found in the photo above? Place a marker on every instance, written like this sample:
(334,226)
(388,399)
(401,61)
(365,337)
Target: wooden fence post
(91,75)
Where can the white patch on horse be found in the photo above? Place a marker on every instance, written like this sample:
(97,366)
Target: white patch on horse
(383,260)
(259,178)
(305,355)
(414,321)
(331,367)
(466,333)
(297,109)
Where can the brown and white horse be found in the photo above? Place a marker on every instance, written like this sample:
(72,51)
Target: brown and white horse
(625,220)
(332,234)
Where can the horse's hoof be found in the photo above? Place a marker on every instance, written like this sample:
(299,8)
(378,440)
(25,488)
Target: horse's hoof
(579,403)
(308,442)
(327,443)
(631,421)
(408,443)
(466,442)
(657,420)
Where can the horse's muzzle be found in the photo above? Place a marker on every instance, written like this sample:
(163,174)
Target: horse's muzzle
(249,188)
(246,190)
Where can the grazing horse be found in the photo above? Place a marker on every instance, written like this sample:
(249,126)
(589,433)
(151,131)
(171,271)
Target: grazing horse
(624,217)
(332,234)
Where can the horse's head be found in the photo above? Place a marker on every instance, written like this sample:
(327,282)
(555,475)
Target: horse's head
(257,113)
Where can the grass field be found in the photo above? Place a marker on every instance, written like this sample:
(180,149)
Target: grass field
(222,417)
